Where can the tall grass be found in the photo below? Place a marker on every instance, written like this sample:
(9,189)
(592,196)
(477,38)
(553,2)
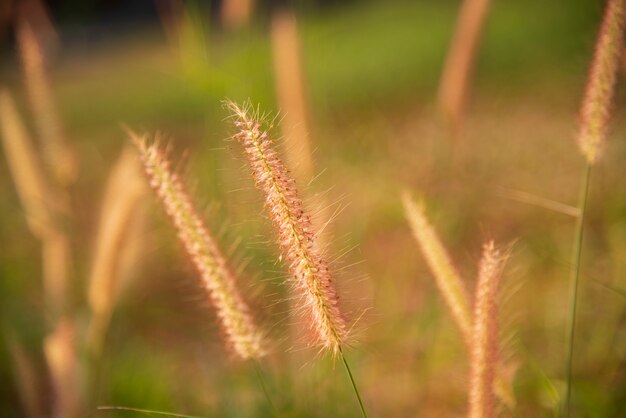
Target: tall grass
(594,124)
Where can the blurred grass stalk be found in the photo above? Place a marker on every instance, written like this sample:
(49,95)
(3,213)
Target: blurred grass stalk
(57,153)
(290,91)
(39,202)
(458,67)
(119,243)
(484,350)
(236,13)
(452,289)
(594,123)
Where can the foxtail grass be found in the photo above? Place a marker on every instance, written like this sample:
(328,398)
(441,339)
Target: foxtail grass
(484,348)
(452,288)
(448,279)
(40,201)
(242,334)
(57,153)
(289,81)
(115,247)
(453,87)
(296,238)
(594,121)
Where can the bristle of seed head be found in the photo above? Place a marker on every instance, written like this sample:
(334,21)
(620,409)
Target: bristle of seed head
(298,243)
(596,104)
(484,348)
(234,314)
(447,278)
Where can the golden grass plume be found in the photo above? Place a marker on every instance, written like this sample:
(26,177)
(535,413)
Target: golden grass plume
(484,345)
(448,280)
(40,201)
(57,153)
(596,104)
(234,314)
(120,213)
(298,242)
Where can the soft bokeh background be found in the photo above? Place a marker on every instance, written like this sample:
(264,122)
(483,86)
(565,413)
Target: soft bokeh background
(371,73)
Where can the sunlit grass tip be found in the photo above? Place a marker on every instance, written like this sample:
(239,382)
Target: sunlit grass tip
(597,102)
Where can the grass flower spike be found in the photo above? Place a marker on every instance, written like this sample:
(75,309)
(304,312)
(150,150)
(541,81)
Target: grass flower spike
(234,314)
(448,279)
(484,348)
(596,105)
(296,238)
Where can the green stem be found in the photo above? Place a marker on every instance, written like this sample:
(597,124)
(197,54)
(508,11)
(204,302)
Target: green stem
(576,260)
(259,374)
(356,390)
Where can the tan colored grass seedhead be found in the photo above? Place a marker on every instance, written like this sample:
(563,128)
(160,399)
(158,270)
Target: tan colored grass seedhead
(448,279)
(596,105)
(297,241)
(484,347)
(57,153)
(115,245)
(234,314)
(452,288)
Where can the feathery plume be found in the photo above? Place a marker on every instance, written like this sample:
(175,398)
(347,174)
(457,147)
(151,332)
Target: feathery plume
(596,105)
(484,348)
(218,280)
(57,153)
(448,279)
(297,241)
(121,204)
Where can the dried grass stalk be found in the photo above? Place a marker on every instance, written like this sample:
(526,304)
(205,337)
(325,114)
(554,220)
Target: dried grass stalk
(57,153)
(484,348)
(291,96)
(40,202)
(459,62)
(61,356)
(448,279)
(298,243)
(234,314)
(453,290)
(596,105)
(116,237)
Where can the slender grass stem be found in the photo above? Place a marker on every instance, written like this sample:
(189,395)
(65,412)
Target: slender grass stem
(576,261)
(261,378)
(356,389)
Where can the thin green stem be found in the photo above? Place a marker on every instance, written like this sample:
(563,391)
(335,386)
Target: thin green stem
(356,390)
(260,376)
(576,261)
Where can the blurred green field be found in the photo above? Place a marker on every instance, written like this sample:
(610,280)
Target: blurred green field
(372,70)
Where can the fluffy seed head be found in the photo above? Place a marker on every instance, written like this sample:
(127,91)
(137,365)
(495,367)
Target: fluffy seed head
(596,105)
(297,241)
(484,348)
(218,280)
(448,279)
